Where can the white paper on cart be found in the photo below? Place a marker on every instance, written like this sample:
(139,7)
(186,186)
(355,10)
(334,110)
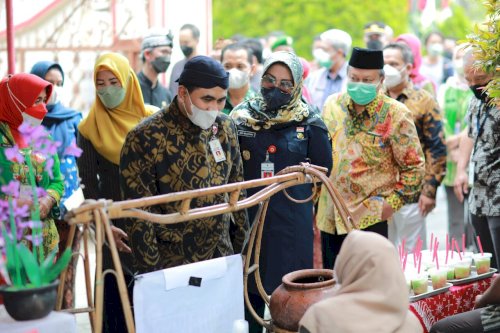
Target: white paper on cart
(202,297)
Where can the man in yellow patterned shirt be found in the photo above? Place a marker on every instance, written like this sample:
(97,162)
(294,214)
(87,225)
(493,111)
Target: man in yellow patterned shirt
(409,223)
(378,164)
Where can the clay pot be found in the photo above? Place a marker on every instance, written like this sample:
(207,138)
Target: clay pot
(299,290)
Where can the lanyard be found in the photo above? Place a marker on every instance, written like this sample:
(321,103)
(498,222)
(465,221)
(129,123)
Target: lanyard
(480,126)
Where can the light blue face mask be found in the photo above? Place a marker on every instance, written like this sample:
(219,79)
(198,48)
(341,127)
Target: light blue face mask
(362,93)
(111,96)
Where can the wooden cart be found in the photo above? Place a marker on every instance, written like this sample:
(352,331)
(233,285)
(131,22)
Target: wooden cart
(97,215)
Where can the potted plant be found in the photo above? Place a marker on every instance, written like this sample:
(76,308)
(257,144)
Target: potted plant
(485,40)
(30,274)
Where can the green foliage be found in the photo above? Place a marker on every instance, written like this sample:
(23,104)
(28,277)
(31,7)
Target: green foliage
(33,274)
(486,44)
(304,19)
(458,25)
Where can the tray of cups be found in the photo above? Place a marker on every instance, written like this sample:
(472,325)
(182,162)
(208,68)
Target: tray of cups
(430,291)
(473,276)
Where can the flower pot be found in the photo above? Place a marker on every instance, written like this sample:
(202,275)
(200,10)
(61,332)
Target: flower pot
(30,303)
(299,290)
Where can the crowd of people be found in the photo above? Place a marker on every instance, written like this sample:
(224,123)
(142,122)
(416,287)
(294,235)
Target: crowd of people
(389,124)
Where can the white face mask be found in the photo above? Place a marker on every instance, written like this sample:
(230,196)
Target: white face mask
(393,76)
(30,120)
(201,118)
(56,95)
(323,58)
(435,49)
(237,79)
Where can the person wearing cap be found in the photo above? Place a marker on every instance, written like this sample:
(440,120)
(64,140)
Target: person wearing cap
(283,43)
(409,221)
(156,51)
(330,53)
(378,163)
(189,37)
(237,59)
(376,35)
(189,145)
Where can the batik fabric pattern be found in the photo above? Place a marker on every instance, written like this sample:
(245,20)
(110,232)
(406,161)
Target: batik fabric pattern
(429,124)
(53,184)
(165,154)
(377,157)
(484,129)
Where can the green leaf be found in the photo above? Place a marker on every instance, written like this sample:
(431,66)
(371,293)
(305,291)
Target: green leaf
(12,258)
(46,265)
(53,271)
(30,265)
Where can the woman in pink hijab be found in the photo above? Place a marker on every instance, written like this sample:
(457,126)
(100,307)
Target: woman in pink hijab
(372,295)
(418,79)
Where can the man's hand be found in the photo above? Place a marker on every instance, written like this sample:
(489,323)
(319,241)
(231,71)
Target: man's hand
(461,185)
(119,235)
(387,211)
(426,204)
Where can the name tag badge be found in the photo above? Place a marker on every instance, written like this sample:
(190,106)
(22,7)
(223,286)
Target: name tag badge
(246,134)
(217,151)
(266,169)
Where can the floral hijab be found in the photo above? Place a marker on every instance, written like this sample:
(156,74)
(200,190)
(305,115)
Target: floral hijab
(254,114)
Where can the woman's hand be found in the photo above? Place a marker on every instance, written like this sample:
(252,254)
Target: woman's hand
(45,205)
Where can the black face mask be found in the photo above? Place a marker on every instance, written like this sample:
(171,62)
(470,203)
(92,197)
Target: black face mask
(275,98)
(374,44)
(478,92)
(187,50)
(160,64)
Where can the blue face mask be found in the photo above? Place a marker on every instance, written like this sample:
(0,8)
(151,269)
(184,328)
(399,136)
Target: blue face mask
(275,98)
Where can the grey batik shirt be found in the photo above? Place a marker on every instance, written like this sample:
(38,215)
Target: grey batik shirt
(484,130)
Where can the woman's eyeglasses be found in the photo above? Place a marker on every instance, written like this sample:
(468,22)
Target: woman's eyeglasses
(269,82)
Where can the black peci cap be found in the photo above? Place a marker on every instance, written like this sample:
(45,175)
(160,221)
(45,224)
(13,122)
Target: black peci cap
(366,58)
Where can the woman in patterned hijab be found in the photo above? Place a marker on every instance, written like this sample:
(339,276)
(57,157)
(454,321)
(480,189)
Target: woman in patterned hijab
(278,129)
(276,104)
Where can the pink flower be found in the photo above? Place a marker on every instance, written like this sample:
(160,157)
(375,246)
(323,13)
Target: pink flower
(73,150)
(14,155)
(12,189)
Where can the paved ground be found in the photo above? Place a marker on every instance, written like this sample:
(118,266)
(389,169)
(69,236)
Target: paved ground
(436,223)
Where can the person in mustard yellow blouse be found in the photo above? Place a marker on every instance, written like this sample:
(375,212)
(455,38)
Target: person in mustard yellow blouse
(378,163)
